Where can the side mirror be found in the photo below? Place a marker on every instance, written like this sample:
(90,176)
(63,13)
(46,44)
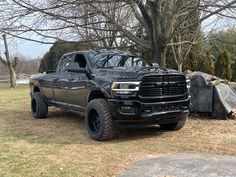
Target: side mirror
(155,65)
(74,67)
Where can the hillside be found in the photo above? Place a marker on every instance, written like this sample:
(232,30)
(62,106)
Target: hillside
(24,66)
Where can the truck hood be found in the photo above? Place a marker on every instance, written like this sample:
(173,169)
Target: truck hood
(131,72)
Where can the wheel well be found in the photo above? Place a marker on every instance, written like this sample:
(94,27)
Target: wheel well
(36,89)
(95,95)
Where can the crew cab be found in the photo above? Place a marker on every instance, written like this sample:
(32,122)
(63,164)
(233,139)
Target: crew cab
(112,87)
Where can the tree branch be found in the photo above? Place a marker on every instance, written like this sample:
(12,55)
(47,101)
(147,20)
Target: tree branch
(3,61)
(218,11)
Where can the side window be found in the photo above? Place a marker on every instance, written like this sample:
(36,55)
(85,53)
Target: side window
(113,61)
(79,58)
(134,61)
(64,61)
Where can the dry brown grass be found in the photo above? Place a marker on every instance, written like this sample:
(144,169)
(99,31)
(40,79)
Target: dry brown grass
(59,146)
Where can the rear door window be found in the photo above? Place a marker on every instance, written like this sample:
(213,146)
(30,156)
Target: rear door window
(64,61)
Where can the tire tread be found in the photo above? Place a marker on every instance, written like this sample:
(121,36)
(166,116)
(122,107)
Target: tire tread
(41,106)
(108,131)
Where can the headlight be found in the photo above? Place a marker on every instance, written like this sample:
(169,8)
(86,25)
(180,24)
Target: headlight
(125,88)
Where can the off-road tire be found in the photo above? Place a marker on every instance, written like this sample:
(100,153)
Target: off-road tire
(39,107)
(100,109)
(173,126)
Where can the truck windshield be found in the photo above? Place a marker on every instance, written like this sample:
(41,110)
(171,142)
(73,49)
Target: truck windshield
(117,60)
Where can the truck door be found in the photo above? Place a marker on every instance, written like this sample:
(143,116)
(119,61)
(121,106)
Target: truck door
(47,84)
(60,83)
(77,83)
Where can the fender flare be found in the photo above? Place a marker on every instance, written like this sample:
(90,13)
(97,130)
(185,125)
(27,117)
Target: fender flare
(98,89)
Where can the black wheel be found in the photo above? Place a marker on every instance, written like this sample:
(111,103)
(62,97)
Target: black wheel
(173,126)
(39,107)
(98,119)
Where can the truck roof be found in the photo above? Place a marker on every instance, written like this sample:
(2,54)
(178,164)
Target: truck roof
(105,52)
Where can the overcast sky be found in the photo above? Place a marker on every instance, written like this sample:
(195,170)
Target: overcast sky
(31,50)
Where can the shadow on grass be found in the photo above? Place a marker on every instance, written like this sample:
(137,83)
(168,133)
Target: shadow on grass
(203,117)
(123,132)
(135,132)
(63,128)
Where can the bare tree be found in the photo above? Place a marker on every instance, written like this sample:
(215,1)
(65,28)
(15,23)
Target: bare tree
(11,65)
(99,29)
(106,22)
(186,36)
(26,64)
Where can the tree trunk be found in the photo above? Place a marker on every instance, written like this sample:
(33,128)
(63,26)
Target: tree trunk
(180,67)
(10,67)
(12,77)
(163,58)
(159,56)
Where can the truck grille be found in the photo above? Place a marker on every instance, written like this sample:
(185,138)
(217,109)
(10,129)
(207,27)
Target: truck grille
(157,86)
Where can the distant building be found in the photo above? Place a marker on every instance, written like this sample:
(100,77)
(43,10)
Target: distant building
(3,71)
(22,78)
(4,78)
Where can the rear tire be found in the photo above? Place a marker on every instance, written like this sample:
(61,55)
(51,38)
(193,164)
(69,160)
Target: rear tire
(39,107)
(98,120)
(173,126)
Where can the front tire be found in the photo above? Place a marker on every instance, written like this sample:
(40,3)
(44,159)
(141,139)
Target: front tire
(39,107)
(173,126)
(98,120)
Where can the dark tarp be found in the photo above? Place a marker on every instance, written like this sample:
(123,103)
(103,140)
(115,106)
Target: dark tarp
(219,100)
(224,100)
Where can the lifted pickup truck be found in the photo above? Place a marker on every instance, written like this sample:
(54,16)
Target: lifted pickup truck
(110,87)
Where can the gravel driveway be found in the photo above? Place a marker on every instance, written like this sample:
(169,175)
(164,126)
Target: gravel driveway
(184,165)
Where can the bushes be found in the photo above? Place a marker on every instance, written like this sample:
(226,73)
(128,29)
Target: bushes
(200,61)
(207,64)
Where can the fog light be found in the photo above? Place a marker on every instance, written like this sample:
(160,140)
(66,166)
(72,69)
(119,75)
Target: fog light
(184,107)
(127,109)
(148,110)
(124,92)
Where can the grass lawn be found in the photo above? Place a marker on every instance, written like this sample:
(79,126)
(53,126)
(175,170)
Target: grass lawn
(59,146)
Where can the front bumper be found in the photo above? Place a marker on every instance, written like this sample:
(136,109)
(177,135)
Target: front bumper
(159,112)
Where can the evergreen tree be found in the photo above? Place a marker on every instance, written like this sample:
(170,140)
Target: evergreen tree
(191,62)
(207,64)
(224,40)
(223,66)
(233,67)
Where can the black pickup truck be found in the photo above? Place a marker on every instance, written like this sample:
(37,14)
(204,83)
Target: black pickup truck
(110,88)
